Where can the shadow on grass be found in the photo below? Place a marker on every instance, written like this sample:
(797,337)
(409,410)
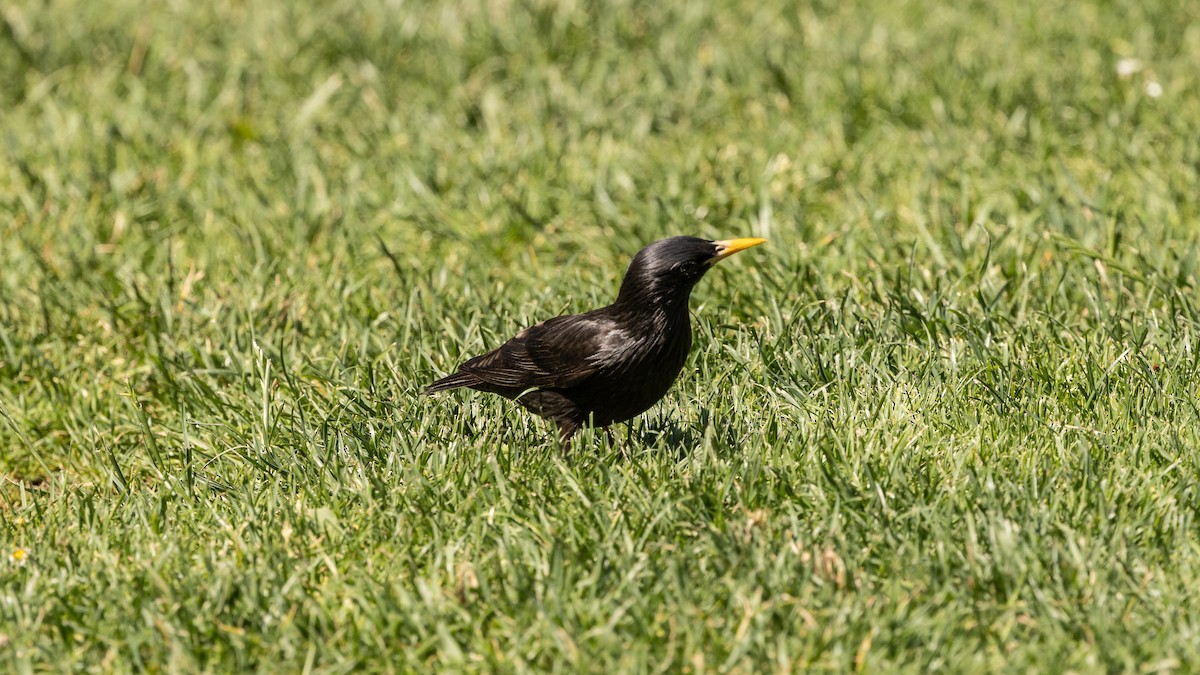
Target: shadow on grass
(681,437)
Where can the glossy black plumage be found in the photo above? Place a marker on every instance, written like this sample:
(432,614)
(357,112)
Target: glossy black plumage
(610,364)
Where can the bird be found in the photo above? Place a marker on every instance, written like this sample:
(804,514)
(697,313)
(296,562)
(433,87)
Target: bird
(610,364)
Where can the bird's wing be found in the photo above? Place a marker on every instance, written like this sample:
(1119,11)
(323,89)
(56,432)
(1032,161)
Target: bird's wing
(560,352)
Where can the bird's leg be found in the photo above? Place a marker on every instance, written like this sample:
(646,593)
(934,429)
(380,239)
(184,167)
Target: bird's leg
(565,431)
(621,448)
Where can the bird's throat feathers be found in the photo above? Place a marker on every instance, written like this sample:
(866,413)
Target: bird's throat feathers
(647,295)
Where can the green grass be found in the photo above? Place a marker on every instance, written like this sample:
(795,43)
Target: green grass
(947,419)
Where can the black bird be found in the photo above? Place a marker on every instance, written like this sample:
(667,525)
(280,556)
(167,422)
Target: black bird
(609,364)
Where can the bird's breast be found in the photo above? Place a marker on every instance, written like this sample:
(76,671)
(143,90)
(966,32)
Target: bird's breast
(635,370)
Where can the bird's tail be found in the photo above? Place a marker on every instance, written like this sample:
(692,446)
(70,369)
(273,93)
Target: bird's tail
(459,379)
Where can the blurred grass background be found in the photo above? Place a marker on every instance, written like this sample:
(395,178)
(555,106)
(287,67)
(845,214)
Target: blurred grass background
(945,420)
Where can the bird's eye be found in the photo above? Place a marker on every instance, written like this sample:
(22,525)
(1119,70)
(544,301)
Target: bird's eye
(688,269)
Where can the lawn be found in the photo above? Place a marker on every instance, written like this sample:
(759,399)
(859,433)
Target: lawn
(947,419)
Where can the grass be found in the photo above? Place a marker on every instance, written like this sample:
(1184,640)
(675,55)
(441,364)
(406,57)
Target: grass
(946,420)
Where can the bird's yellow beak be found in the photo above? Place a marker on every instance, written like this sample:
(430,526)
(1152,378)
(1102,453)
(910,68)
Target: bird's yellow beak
(728,247)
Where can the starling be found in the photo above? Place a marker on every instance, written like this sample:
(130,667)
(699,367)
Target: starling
(610,364)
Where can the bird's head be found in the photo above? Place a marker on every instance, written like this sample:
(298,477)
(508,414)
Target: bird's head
(665,271)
